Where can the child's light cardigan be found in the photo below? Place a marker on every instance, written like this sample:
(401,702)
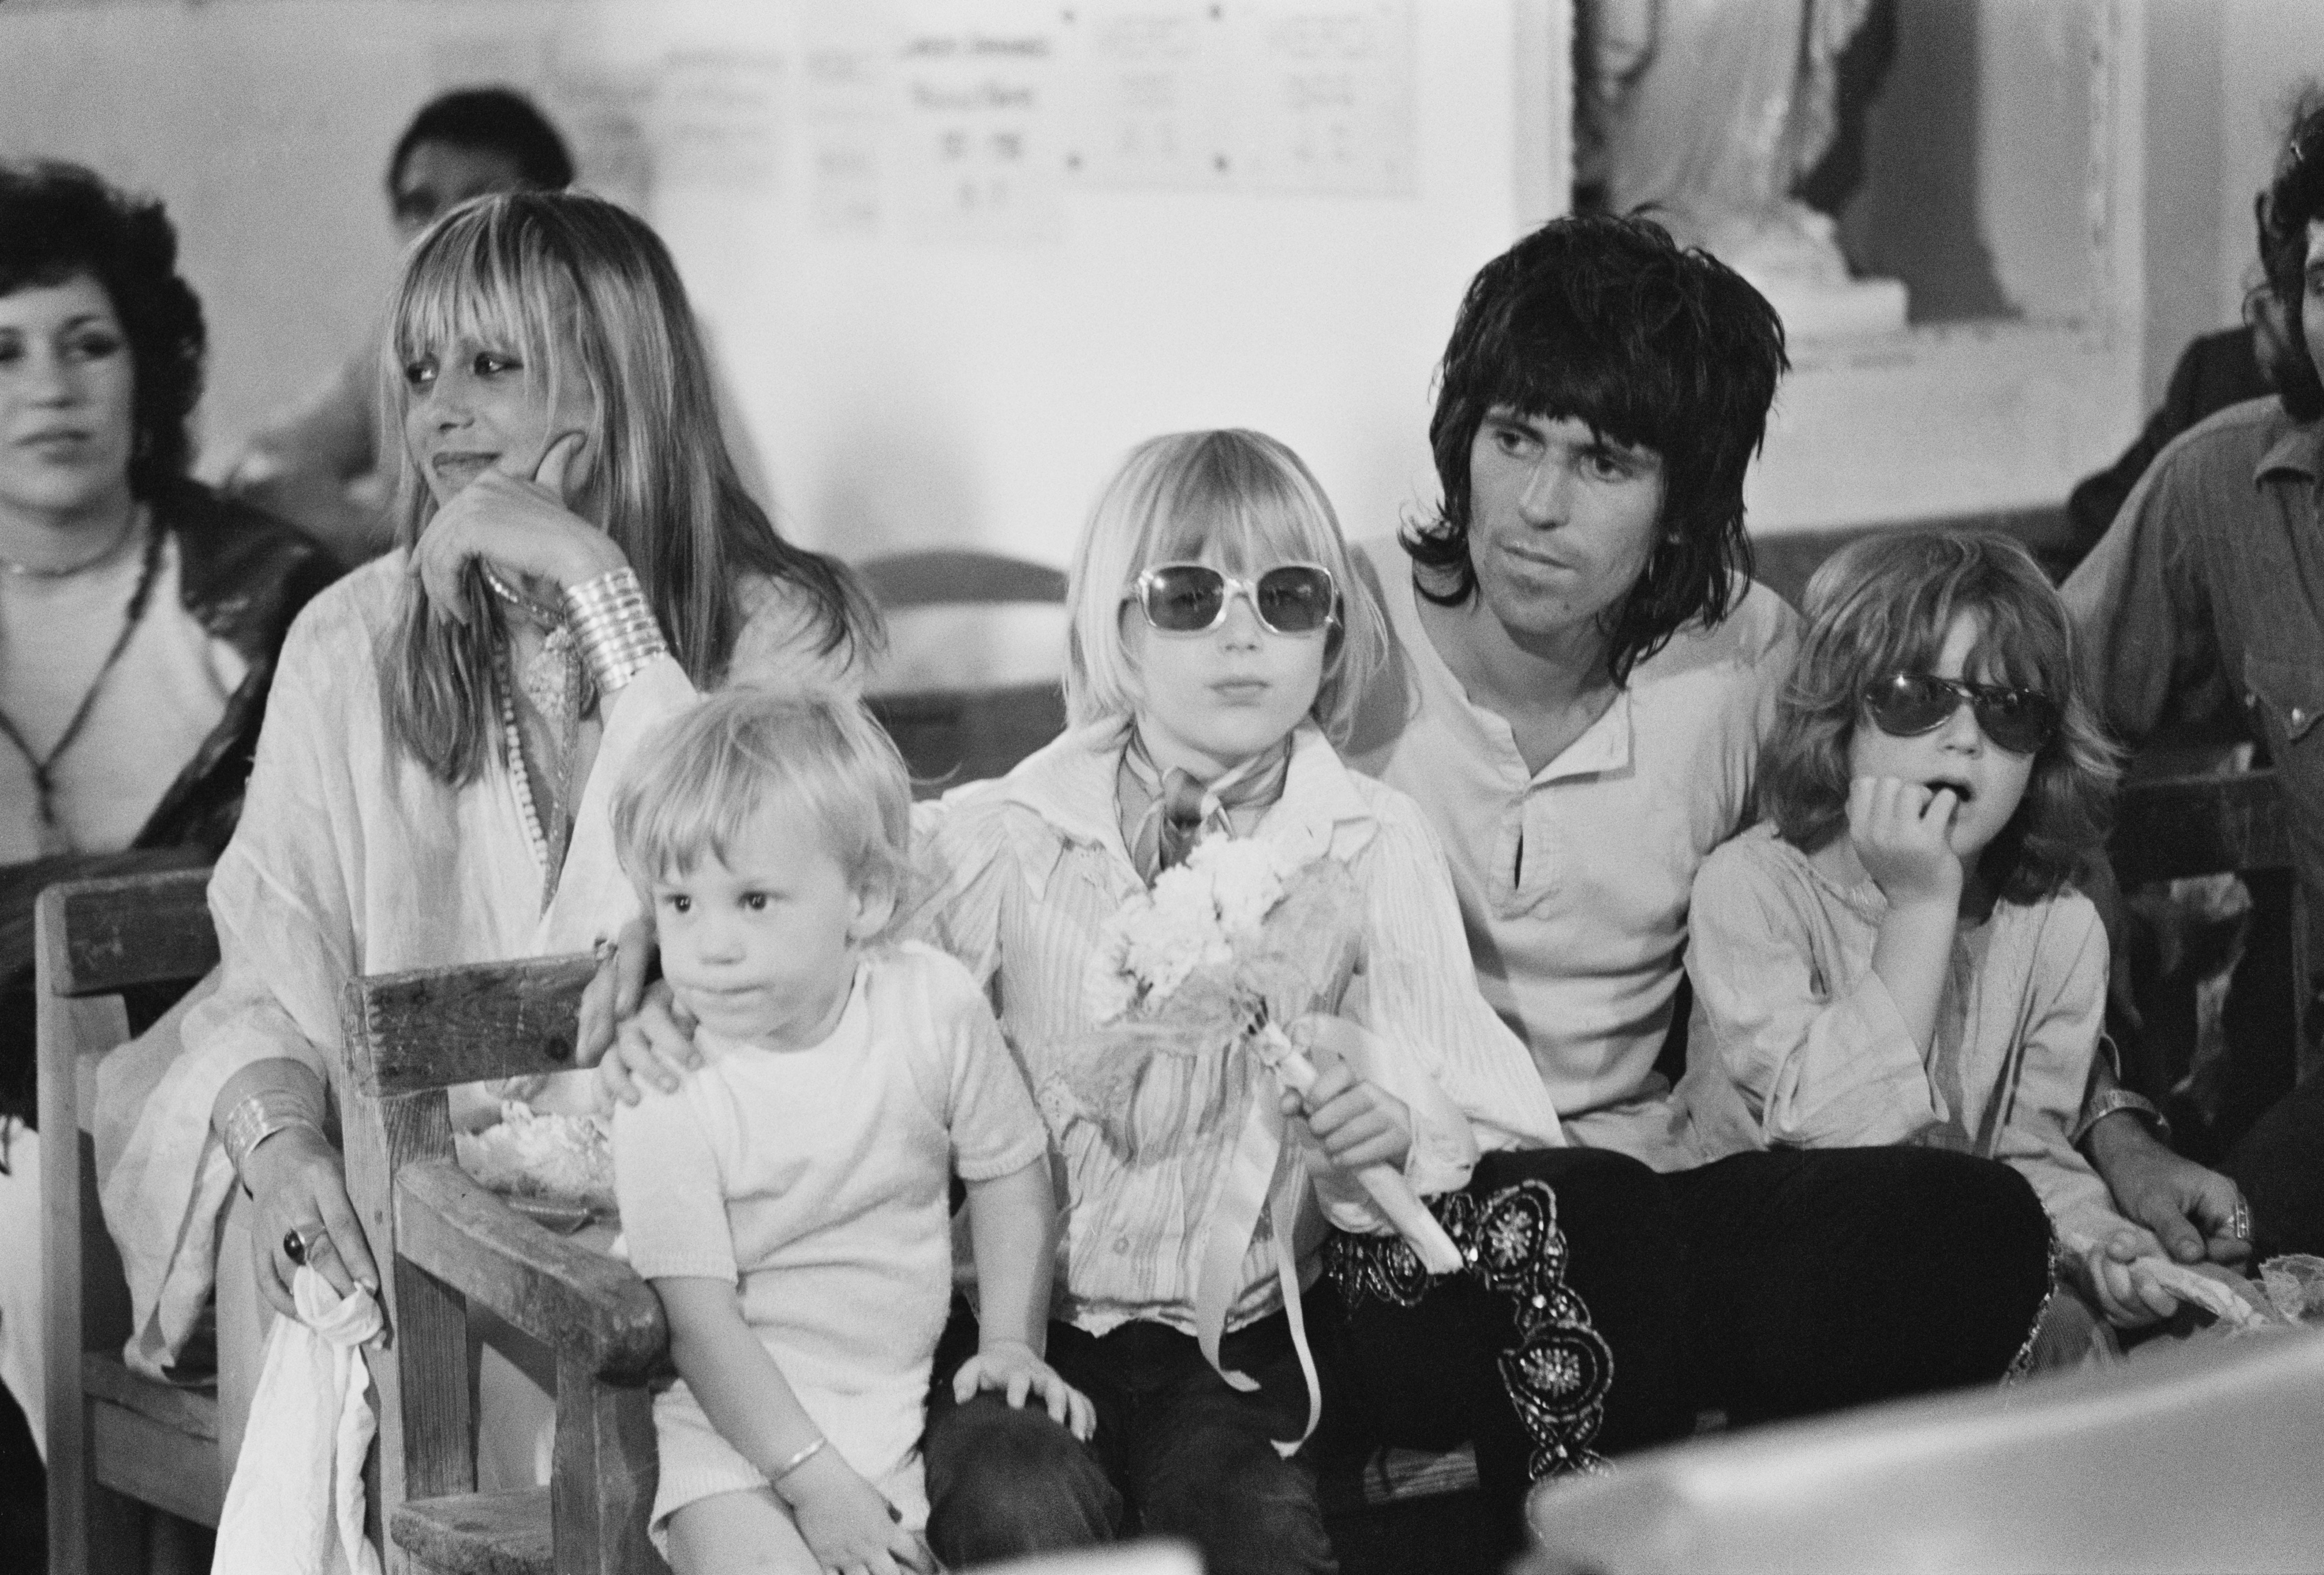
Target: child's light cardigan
(1796,1042)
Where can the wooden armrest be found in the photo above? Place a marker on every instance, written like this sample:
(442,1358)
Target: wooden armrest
(563,1294)
(2168,826)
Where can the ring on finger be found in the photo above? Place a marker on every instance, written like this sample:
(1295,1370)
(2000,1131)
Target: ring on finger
(2239,1221)
(299,1244)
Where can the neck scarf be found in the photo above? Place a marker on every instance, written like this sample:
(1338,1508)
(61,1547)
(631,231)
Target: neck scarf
(1165,814)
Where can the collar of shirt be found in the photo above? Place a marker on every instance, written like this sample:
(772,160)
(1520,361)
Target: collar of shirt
(2298,449)
(1071,787)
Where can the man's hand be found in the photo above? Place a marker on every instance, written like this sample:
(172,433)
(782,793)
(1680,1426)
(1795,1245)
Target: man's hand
(2195,1213)
(1010,1366)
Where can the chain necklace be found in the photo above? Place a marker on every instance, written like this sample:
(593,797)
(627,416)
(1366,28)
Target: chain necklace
(54,839)
(37,572)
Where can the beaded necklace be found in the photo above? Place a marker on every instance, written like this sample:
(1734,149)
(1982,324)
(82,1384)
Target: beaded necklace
(54,837)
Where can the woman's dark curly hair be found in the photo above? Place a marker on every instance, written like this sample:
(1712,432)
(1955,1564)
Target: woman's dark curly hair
(1885,604)
(2283,213)
(1608,321)
(59,222)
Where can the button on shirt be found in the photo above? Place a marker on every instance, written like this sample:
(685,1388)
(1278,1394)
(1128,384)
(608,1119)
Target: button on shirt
(1573,880)
(2203,608)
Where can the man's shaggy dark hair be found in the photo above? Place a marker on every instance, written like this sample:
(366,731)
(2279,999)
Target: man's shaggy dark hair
(1608,321)
(2282,213)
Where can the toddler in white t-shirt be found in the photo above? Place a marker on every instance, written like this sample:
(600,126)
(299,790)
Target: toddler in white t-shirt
(789,1204)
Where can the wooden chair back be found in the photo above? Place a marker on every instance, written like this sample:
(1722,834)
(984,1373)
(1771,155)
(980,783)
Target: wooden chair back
(952,732)
(2170,828)
(445,1243)
(120,1445)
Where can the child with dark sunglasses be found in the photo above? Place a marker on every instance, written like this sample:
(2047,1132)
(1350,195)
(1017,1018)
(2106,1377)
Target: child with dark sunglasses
(1897,954)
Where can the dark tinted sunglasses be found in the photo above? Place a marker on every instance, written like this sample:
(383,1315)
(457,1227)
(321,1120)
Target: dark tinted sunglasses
(1188,598)
(1906,705)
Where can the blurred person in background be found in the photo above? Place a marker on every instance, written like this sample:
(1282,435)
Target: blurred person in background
(318,464)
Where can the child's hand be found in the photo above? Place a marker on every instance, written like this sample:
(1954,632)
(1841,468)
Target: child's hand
(655,1047)
(1902,832)
(1011,1366)
(846,1523)
(2111,1273)
(1357,1121)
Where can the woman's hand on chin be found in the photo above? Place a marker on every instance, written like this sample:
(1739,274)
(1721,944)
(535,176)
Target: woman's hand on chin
(521,528)
(298,1187)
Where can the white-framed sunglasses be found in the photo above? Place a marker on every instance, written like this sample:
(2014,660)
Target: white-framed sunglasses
(1191,598)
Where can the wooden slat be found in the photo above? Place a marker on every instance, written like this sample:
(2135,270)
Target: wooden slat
(947,575)
(106,936)
(478,1534)
(2169,827)
(603,1476)
(189,1412)
(580,1304)
(138,1455)
(950,737)
(436,1027)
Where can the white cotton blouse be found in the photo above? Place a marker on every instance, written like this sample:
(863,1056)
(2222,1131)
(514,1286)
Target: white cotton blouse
(351,860)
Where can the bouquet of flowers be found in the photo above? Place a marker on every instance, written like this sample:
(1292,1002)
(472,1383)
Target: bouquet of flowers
(1215,963)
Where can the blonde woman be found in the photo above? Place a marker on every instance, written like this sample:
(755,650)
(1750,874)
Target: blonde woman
(577,561)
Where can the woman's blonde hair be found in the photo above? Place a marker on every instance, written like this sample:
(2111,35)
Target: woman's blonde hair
(582,289)
(1887,604)
(1249,498)
(704,778)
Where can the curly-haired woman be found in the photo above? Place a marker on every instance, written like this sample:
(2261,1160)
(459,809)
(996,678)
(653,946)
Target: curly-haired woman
(139,614)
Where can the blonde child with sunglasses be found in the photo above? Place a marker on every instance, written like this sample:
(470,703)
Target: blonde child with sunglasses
(1218,644)
(1895,955)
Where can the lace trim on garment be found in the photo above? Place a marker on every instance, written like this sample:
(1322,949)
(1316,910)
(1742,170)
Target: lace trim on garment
(2021,1365)
(1561,1369)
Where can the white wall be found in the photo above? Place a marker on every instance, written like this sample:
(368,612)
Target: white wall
(901,391)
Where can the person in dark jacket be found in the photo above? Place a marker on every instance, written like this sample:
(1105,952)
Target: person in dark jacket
(139,613)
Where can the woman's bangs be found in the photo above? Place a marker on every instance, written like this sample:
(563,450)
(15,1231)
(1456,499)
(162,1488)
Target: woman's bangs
(477,282)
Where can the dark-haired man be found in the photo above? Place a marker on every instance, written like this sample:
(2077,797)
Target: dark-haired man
(1582,672)
(313,467)
(2203,608)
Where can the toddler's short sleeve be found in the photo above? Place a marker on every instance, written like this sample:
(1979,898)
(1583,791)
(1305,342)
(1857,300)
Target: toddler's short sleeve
(989,1112)
(666,1179)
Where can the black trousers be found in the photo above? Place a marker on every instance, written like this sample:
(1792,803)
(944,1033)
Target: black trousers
(1607,1306)
(1766,1286)
(1176,1453)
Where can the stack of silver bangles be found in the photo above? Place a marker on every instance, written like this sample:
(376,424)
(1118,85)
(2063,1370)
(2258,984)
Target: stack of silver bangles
(260,1117)
(615,626)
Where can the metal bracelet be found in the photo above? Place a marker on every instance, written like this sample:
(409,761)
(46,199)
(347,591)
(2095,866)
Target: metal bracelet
(615,626)
(2116,1099)
(796,1461)
(260,1117)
